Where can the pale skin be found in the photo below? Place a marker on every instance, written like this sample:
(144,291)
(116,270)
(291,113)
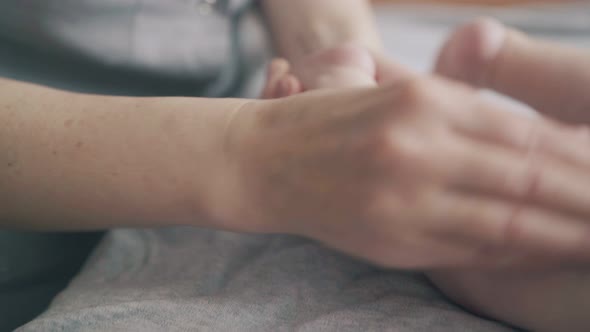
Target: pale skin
(523,292)
(411,174)
(83,162)
(59,147)
(550,299)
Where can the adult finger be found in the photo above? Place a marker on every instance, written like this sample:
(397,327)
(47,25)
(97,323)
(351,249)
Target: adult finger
(523,132)
(531,178)
(487,222)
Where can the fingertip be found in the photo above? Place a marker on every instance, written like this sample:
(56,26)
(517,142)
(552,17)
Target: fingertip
(278,67)
(287,86)
(293,85)
(276,70)
(270,88)
(284,87)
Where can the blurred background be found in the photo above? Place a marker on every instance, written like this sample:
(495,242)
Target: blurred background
(414,30)
(481,2)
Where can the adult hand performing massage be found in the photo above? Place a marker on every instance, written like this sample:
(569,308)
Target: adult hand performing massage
(486,54)
(397,169)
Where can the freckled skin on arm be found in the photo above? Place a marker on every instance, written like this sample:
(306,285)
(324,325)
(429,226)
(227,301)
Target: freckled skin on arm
(75,162)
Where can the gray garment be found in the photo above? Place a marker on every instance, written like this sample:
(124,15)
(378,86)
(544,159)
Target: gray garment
(186,279)
(138,47)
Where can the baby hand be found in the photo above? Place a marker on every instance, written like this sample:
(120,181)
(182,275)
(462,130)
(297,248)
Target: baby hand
(343,66)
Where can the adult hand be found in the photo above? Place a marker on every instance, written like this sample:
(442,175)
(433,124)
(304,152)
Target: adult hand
(551,78)
(554,79)
(413,174)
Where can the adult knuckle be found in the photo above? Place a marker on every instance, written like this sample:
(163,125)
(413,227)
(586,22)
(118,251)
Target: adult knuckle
(402,149)
(526,184)
(512,228)
(415,92)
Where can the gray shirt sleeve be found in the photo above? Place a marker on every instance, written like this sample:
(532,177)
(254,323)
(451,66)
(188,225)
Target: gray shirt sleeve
(180,39)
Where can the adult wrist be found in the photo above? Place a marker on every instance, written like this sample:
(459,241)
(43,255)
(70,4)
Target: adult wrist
(226,188)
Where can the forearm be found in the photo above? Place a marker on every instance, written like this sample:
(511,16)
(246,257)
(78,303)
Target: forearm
(74,162)
(304,26)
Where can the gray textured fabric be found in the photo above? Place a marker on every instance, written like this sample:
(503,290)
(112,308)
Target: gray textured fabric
(197,280)
(176,37)
(34,267)
(131,46)
(184,279)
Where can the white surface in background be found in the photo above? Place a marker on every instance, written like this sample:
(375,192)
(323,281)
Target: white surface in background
(413,34)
